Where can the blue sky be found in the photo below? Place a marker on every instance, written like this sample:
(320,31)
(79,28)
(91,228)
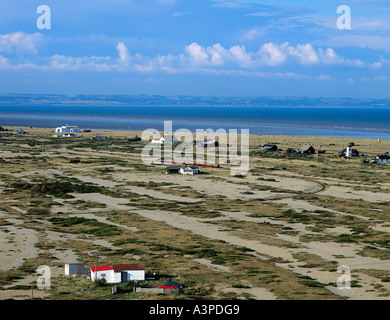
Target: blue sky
(198,47)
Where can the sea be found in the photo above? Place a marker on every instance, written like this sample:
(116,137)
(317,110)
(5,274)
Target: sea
(354,122)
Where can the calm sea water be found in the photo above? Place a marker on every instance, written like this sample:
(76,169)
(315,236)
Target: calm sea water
(341,122)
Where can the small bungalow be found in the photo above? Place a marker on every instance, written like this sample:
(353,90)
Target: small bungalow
(105,272)
(163,140)
(118,273)
(189,170)
(307,149)
(170,170)
(67,128)
(270,147)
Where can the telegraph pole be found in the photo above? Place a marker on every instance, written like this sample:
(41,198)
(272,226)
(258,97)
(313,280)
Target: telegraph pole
(96,263)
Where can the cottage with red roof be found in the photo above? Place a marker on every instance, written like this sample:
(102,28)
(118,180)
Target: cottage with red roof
(105,272)
(118,273)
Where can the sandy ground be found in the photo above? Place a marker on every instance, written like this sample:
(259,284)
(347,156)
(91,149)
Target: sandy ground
(213,266)
(344,254)
(349,193)
(23,294)
(18,243)
(255,292)
(300,205)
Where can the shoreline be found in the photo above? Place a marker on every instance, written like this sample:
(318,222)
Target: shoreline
(100,124)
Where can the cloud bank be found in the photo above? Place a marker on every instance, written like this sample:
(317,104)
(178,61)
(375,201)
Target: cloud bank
(195,58)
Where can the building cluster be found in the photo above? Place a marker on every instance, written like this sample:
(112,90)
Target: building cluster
(380,158)
(306,149)
(183,170)
(122,273)
(118,273)
(172,139)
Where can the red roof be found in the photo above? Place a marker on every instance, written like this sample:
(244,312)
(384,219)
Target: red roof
(121,267)
(102,268)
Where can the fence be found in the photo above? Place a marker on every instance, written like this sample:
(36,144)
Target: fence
(158,290)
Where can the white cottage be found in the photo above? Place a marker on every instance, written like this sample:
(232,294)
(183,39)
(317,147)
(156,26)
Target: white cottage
(105,272)
(68,128)
(118,273)
(189,170)
(163,140)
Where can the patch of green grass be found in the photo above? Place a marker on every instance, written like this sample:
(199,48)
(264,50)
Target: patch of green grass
(101,229)
(36,211)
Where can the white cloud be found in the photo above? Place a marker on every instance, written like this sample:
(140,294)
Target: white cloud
(239,53)
(20,42)
(66,63)
(198,54)
(124,55)
(3,62)
(254,33)
(217,54)
(273,55)
(215,59)
(306,54)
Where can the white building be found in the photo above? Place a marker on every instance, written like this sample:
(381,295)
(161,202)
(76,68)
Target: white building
(163,140)
(74,268)
(207,143)
(105,272)
(68,128)
(128,272)
(189,170)
(118,273)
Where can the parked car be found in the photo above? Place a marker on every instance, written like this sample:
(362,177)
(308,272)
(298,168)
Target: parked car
(166,286)
(175,284)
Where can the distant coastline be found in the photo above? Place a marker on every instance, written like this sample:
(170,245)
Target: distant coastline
(183,101)
(295,117)
(96,124)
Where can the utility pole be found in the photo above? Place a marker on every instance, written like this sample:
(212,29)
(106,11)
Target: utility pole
(96,263)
